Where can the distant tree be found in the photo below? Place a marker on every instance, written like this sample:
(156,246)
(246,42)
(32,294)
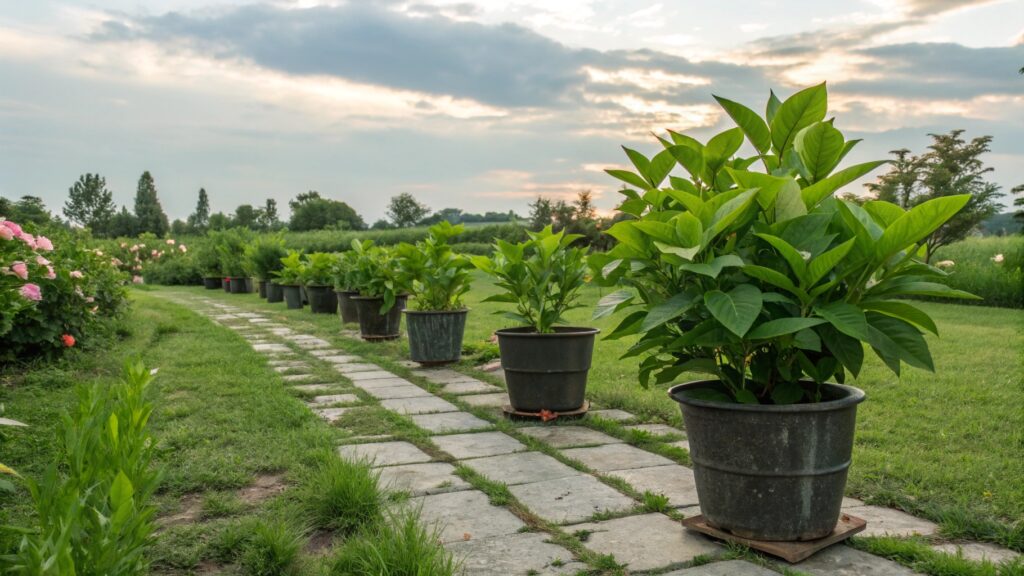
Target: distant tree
(30,209)
(148,212)
(219,221)
(951,166)
(199,220)
(404,210)
(541,213)
(382,224)
(452,215)
(564,214)
(584,205)
(179,227)
(123,224)
(268,218)
(90,204)
(6,208)
(310,211)
(246,217)
(1019,214)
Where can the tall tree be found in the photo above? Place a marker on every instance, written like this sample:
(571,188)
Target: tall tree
(1019,214)
(564,214)
(246,216)
(310,211)
(123,224)
(584,205)
(149,214)
(269,218)
(901,184)
(199,220)
(541,213)
(404,210)
(30,209)
(90,204)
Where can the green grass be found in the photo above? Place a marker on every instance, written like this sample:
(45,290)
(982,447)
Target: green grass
(273,549)
(342,495)
(915,553)
(997,283)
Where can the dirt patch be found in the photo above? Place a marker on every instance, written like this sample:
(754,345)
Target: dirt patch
(319,543)
(207,567)
(189,510)
(265,486)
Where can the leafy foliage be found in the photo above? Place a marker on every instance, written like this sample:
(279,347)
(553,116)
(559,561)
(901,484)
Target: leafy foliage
(231,246)
(439,277)
(316,269)
(375,273)
(149,214)
(290,273)
(400,547)
(541,276)
(765,280)
(90,204)
(343,495)
(405,211)
(263,255)
(310,211)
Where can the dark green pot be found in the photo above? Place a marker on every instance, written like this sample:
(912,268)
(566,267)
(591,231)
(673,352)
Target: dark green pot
(435,337)
(766,471)
(322,299)
(375,326)
(304,294)
(275,293)
(546,371)
(250,287)
(347,306)
(263,288)
(292,296)
(238,284)
(211,282)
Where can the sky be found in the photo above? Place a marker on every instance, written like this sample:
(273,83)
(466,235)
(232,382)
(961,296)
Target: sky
(478,104)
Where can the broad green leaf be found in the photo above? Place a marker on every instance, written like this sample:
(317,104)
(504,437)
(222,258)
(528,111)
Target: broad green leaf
(690,158)
(721,147)
(798,112)
(775,278)
(815,193)
(692,202)
(782,326)
(792,256)
(736,310)
(625,232)
(710,395)
(640,162)
(728,213)
(772,106)
(684,253)
(662,163)
(112,428)
(121,490)
(688,229)
(629,178)
(769,185)
(819,146)
(715,267)
(744,396)
(848,350)
(610,266)
(918,288)
(661,231)
(824,263)
(903,311)
(612,303)
(789,203)
(846,318)
(667,310)
(890,333)
(917,224)
(752,125)
(787,393)
(807,340)
(885,213)
(630,325)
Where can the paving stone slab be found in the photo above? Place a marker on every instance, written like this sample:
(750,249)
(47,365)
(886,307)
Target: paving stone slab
(684,444)
(449,422)
(469,387)
(326,352)
(514,555)
(486,400)
(313,344)
(466,515)
(978,551)
(422,479)
(442,375)
(841,560)
(336,399)
(657,429)
(331,414)
(521,468)
(391,392)
(727,568)
(349,368)
(258,320)
(383,383)
(298,377)
(646,542)
(568,436)
(882,521)
(616,415)
(280,331)
(674,481)
(419,405)
(296,366)
(286,363)
(478,444)
(570,500)
(384,453)
(249,315)
(271,348)
(339,358)
(616,457)
(314,387)
(374,375)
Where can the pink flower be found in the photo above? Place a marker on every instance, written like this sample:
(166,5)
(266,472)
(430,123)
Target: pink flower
(42,261)
(44,244)
(14,228)
(77,274)
(182,248)
(6,233)
(90,299)
(170,241)
(31,292)
(116,262)
(20,270)
(134,248)
(152,253)
(28,239)
(68,340)
(123,245)
(50,274)
(136,279)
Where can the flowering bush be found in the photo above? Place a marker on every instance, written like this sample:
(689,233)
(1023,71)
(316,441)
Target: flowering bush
(53,294)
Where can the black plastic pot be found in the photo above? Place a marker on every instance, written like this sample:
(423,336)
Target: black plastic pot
(771,472)
(211,282)
(435,337)
(304,294)
(322,299)
(226,284)
(263,288)
(546,371)
(249,287)
(275,292)
(376,326)
(349,313)
(238,284)
(292,296)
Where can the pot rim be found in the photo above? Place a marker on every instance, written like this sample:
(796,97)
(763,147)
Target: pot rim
(345,291)
(436,312)
(399,296)
(290,285)
(852,397)
(560,331)
(318,285)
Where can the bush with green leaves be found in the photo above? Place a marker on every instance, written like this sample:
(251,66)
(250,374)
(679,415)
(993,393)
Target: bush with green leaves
(263,256)
(231,245)
(207,257)
(290,273)
(93,507)
(764,279)
(439,276)
(376,274)
(541,276)
(317,269)
(345,272)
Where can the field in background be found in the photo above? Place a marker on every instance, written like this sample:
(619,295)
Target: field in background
(976,270)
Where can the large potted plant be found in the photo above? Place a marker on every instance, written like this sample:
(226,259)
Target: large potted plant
(382,293)
(345,274)
(438,278)
(231,247)
(289,278)
(318,281)
(208,261)
(263,258)
(546,365)
(770,285)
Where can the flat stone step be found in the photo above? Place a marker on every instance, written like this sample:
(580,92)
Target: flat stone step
(521,468)
(466,516)
(394,392)
(335,399)
(331,414)
(449,422)
(419,405)
(657,429)
(469,387)
(349,368)
(384,453)
(339,358)
(726,568)
(646,541)
(422,479)
(978,551)
(486,400)
(568,436)
(373,375)
(443,375)
(616,415)
(883,521)
(571,499)
(316,387)
(514,555)
(478,444)
(841,560)
(298,377)
(382,383)
(674,481)
(326,352)
(616,457)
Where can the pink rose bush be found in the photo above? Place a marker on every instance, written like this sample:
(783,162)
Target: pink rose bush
(155,260)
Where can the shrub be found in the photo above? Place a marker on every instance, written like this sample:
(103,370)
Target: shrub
(439,277)
(272,549)
(317,269)
(400,547)
(472,248)
(335,241)
(231,245)
(263,256)
(139,256)
(181,270)
(290,273)
(93,510)
(376,274)
(342,495)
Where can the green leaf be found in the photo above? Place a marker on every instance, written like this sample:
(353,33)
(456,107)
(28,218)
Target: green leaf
(787,393)
(629,178)
(736,310)
(789,203)
(885,213)
(715,267)
(752,125)
(775,278)
(917,224)
(918,288)
(121,490)
(728,213)
(690,158)
(612,303)
(903,311)
(849,351)
(744,396)
(630,325)
(640,162)
(819,146)
(772,107)
(789,253)
(625,232)
(710,395)
(807,340)
(815,193)
(667,310)
(684,253)
(798,112)
(824,263)
(846,318)
(782,326)
(721,147)
(112,429)
(894,335)
(662,163)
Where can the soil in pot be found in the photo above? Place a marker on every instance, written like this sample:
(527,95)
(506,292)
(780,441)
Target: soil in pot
(376,326)
(771,472)
(322,299)
(349,313)
(263,288)
(238,285)
(546,371)
(211,282)
(435,337)
(275,292)
(292,296)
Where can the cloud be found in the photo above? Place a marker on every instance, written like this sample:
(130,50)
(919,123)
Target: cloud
(925,8)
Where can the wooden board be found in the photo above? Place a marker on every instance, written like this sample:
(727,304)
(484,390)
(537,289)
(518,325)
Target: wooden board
(791,552)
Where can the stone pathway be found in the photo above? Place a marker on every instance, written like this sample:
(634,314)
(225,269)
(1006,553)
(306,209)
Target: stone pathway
(568,481)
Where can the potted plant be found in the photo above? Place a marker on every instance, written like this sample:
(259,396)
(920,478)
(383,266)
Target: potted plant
(289,278)
(263,257)
(770,285)
(231,247)
(345,275)
(382,294)
(208,261)
(545,365)
(318,281)
(439,278)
